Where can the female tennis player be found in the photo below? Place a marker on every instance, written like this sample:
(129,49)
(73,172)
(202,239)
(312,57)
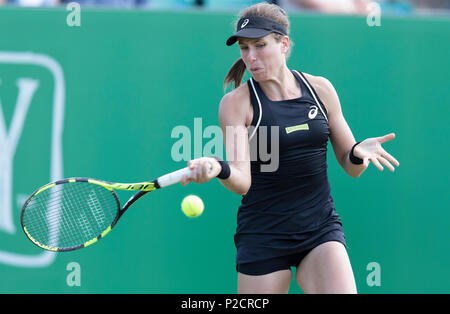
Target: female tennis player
(287,216)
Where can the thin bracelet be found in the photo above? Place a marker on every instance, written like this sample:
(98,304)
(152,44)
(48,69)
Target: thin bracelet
(355,160)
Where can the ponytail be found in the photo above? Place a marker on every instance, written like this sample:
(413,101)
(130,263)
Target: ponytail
(235,74)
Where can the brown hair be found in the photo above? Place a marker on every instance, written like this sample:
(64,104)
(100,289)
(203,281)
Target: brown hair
(262,9)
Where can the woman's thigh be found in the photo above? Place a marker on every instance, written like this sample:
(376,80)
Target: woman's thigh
(326,269)
(273,283)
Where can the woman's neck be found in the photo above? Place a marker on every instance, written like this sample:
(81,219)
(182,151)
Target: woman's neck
(281,86)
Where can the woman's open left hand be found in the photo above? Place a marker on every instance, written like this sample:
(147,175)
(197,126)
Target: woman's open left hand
(370,150)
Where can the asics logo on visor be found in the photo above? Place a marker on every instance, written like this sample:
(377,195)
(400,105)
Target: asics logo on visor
(245,23)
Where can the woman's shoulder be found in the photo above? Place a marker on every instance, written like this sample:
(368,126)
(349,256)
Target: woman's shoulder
(240,93)
(236,103)
(321,85)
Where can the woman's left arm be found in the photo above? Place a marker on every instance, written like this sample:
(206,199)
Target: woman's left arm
(342,139)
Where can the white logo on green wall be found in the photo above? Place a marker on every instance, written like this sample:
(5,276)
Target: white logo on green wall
(14,124)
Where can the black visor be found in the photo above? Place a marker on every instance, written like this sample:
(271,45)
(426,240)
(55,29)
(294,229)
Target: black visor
(255,27)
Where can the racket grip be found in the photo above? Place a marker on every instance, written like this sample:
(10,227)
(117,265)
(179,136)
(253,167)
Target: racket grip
(175,177)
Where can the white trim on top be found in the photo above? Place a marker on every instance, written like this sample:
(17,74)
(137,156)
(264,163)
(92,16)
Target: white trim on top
(260,107)
(312,93)
(260,110)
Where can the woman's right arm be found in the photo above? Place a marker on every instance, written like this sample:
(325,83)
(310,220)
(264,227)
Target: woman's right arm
(233,110)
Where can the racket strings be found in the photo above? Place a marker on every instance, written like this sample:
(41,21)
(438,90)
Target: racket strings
(70,214)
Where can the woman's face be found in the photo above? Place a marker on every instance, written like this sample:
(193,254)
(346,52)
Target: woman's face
(264,57)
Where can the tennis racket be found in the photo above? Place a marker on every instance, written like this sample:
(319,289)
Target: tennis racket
(74,213)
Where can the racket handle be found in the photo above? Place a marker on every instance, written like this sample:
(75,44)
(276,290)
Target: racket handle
(175,177)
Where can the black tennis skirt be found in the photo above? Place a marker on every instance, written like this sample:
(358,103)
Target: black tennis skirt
(265,255)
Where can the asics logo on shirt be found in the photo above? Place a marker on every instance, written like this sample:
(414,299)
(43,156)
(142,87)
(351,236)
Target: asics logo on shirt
(312,112)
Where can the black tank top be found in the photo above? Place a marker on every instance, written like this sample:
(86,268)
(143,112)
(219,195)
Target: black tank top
(286,204)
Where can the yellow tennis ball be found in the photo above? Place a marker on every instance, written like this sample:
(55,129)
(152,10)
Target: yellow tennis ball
(192,206)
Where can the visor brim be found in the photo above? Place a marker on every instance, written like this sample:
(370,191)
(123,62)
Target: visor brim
(247,33)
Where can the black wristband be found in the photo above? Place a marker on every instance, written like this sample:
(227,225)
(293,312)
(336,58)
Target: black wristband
(355,160)
(226,171)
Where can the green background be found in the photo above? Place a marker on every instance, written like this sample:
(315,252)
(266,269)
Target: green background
(132,76)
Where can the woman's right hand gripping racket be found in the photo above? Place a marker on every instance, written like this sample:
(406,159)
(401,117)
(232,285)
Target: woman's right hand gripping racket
(73,213)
